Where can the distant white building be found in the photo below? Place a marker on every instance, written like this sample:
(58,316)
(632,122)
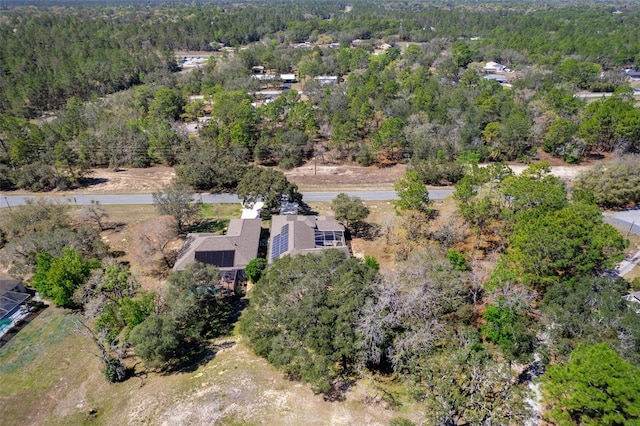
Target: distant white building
(288,78)
(326,79)
(493,67)
(264,77)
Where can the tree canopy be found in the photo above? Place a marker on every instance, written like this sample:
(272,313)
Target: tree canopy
(195,308)
(351,210)
(303,314)
(58,277)
(412,193)
(269,186)
(177,200)
(595,387)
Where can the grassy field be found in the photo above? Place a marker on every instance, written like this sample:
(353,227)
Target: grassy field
(49,375)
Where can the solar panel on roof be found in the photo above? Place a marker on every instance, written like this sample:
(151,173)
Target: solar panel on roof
(220,258)
(280,243)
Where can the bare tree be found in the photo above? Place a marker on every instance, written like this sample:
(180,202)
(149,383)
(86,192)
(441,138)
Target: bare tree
(95,212)
(177,200)
(114,370)
(152,242)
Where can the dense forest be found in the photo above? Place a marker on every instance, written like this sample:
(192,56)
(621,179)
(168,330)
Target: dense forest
(519,284)
(109,76)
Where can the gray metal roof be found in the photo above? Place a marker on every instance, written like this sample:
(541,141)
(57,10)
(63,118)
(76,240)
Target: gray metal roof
(8,284)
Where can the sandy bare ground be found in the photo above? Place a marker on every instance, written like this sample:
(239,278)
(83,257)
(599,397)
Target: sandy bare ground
(129,180)
(309,177)
(567,173)
(319,177)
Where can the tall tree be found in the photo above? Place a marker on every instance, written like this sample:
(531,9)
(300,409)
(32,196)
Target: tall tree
(58,277)
(595,387)
(195,309)
(412,193)
(351,210)
(562,244)
(269,186)
(303,315)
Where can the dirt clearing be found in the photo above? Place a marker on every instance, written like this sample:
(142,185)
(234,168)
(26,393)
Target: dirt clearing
(309,177)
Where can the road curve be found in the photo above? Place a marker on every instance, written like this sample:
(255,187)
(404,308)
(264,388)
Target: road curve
(84,199)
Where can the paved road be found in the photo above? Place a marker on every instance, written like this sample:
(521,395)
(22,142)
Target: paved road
(83,199)
(630,221)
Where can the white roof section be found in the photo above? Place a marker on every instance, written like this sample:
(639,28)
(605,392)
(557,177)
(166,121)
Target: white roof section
(253,211)
(494,66)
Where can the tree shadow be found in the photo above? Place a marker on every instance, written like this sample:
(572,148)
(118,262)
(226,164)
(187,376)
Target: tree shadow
(595,156)
(338,390)
(115,226)
(210,225)
(368,231)
(91,181)
(238,305)
(192,363)
(306,210)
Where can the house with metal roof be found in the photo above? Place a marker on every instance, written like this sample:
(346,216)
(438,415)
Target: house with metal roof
(229,252)
(297,234)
